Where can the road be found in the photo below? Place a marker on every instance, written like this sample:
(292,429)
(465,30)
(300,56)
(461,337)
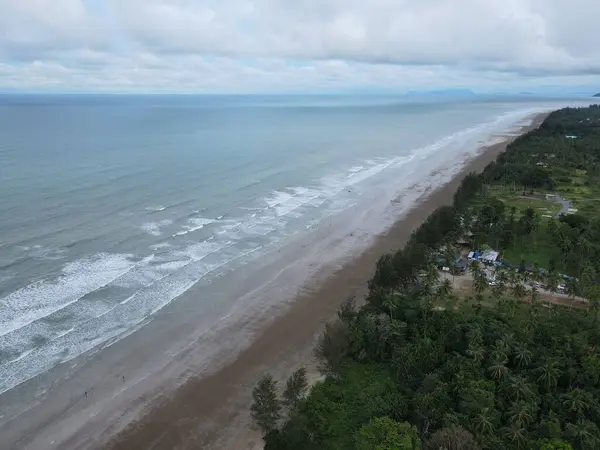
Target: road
(564,204)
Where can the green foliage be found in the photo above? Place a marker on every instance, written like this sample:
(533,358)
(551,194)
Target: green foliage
(331,348)
(556,444)
(451,438)
(383,433)
(519,376)
(266,406)
(295,388)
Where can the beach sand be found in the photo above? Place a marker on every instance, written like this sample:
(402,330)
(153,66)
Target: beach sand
(213,412)
(172,385)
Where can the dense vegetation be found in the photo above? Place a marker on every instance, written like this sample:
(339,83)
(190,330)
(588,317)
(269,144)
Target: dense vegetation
(418,367)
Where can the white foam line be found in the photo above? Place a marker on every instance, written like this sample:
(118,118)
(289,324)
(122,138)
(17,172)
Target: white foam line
(132,325)
(197,224)
(21,356)
(18,304)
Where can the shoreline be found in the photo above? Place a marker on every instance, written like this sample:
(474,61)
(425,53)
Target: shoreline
(213,411)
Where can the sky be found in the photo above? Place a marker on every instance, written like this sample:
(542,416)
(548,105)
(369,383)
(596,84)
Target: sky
(246,46)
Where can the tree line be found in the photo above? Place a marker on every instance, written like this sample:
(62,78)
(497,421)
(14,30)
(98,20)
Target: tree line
(402,373)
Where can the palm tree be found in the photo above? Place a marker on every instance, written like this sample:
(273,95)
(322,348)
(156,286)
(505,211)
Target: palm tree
(573,289)
(477,352)
(500,350)
(474,268)
(480,283)
(520,414)
(549,374)
(519,387)
(444,289)
(536,273)
(502,277)
(431,278)
(583,433)
(535,295)
(583,246)
(498,369)
(484,422)
(522,355)
(552,281)
(511,306)
(515,434)
(497,291)
(518,291)
(576,401)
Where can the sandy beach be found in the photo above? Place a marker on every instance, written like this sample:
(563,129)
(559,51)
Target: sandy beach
(166,386)
(212,412)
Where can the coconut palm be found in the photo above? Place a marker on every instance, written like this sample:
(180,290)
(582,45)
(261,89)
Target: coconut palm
(552,282)
(576,401)
(502,277)
(519,388)
(498,370)
(474,268)
(480,283)
(484,422)
(511,306)
(549,374)
(497,291)
(431,278)
(520,414)
(582,432)
(518,291)
(516,435)
(444,289)
(573,290)
(500,350)
(536,272)
(534,295)
(522,355)
(477,352)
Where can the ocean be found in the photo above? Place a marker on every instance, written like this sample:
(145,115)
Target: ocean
(113,207)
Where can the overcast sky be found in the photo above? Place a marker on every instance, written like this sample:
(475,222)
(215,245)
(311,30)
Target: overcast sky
(298,45)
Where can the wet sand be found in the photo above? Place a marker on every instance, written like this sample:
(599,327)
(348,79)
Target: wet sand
(212,412)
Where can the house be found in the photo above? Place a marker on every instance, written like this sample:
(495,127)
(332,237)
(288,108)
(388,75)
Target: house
(474,255)
(550,196)
(571,136)
(489,256)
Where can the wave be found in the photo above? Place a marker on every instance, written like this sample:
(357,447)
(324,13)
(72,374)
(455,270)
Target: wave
(195,225)
(120,319)
(155,208)
(157,282)
(153,228)
(45,297)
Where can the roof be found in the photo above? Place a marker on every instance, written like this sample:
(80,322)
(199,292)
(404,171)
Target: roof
(490,255)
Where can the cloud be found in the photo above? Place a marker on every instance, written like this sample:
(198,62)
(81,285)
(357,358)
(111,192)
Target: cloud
(242,45)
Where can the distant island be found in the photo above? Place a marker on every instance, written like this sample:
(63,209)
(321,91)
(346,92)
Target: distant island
(596,95)
(442,92)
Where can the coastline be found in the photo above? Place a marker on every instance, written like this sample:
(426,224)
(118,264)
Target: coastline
(213,411)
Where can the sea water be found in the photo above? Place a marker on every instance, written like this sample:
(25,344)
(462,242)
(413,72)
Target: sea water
(111,207)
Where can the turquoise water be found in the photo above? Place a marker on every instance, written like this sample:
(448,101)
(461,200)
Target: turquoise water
(112,207)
